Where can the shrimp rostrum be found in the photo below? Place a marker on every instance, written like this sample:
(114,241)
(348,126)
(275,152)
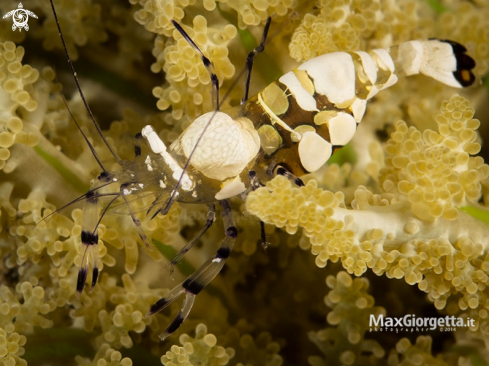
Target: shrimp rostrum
(290,128)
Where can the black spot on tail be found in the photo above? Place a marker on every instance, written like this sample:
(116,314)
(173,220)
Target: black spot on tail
(89,238)
(465,64)
(464,77)
(82,278)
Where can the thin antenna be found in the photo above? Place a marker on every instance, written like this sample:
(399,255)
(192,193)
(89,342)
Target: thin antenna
(79,88)
(78,199)
(84,136)
(117,195)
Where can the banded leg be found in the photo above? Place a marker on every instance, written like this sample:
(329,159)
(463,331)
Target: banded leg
(211,216)
(254,184)
(251,58)
(89,234)
(207,64)
(280,170)
(200,278)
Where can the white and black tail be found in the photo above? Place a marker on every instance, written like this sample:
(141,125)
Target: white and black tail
(443,60)
(358,76)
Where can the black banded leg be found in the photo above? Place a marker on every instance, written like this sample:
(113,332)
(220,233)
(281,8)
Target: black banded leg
(254,184)
(89,234)
(89,239)
(282,171)
(251,58)
(211,216)
(207,64)
(125,190)
(200,278)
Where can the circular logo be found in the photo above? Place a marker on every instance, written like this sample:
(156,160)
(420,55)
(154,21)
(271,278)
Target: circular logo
(20,17)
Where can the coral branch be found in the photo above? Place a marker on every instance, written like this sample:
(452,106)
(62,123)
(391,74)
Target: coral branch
(412,230)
